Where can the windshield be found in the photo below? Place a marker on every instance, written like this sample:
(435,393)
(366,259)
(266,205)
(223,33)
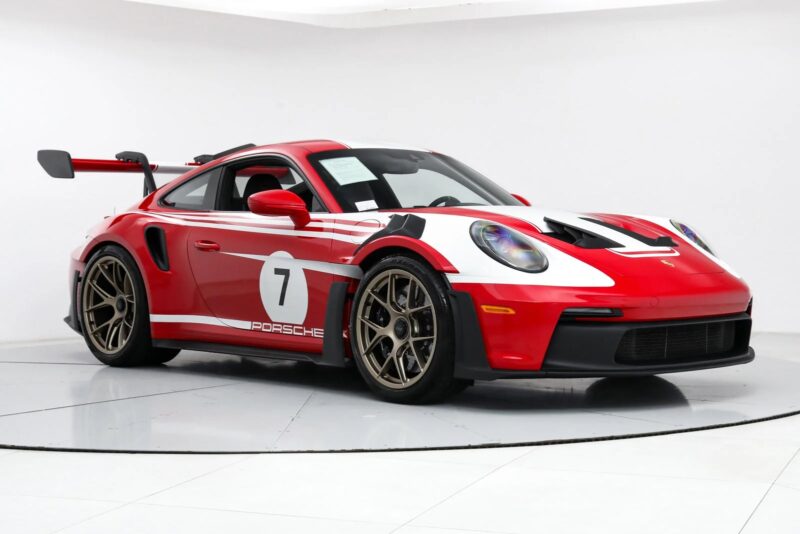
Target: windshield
(374,178)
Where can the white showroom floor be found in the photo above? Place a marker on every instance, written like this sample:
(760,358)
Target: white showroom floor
(738,479)
(58,396)
(743,478)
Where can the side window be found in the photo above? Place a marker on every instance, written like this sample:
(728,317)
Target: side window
(261,176)
(241,180)
(197,194)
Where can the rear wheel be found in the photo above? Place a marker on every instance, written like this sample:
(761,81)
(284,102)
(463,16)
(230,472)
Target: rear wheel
(402,332)
(114,313)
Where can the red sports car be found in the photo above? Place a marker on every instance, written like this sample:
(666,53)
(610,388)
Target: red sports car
(407,262)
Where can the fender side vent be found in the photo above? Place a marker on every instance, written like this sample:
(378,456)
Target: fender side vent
(156,240)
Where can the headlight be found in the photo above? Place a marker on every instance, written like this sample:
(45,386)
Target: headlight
(692,236)
(508,247)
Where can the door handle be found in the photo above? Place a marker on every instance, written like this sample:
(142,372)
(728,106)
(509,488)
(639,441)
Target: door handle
(207,246)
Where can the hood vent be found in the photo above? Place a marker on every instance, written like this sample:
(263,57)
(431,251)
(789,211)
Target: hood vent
(661,241)
(577,236)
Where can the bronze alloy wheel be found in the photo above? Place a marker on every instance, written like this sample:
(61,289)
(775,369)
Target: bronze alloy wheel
(396,329)
(108,305)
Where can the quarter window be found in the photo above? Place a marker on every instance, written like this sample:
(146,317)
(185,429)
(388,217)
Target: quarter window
(198,194)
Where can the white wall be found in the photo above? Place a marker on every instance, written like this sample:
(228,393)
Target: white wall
(690,111)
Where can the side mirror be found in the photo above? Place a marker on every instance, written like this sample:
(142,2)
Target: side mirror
(280,202)
(521,199)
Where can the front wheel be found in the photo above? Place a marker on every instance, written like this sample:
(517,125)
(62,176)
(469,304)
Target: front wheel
(402,332)
(114,313)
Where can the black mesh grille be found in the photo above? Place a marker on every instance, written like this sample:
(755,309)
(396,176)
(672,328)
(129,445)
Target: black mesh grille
(681,342)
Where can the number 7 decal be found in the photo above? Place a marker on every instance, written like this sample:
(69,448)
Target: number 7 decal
(285,273)
(284,288)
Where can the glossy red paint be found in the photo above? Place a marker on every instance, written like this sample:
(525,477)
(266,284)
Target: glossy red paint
(520,341)
(220,262)
(522,199)
(112,165)
(228,284)
(106,165)
(280,202)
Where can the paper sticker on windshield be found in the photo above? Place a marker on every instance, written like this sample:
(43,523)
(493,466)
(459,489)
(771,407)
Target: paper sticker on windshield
(366,205)
(347,170)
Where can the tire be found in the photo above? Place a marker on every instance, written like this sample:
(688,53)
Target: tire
(397,338)
(115,318)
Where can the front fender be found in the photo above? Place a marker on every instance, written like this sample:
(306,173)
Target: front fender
(431,255)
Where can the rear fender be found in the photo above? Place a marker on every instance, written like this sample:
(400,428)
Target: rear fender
(170,291)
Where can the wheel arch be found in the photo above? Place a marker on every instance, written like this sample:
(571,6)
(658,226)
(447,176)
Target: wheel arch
(374,251)
(98,244)
(369,255)
(439,379)
(105,240)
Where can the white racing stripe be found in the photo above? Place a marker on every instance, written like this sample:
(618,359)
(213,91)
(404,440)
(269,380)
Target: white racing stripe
(350,271)
(239,218)
(348,238)
(448,234)
(450,237)
(201,319)
(671,252)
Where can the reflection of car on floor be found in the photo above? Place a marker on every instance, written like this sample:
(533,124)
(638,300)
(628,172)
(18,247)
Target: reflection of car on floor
(411,264)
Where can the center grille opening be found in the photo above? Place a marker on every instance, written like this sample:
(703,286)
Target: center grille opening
(682,342)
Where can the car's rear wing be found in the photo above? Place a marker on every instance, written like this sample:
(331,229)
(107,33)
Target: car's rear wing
(60,164)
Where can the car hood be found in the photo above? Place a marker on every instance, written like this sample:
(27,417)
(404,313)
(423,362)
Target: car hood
(621,245)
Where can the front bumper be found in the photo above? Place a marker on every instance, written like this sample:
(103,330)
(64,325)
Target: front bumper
(519,341)
(584,348)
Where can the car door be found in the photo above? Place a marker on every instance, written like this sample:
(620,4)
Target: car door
(266,282)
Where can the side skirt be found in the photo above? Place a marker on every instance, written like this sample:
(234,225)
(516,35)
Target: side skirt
(239,350)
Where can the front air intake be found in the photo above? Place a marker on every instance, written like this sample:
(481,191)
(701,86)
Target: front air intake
(674,343)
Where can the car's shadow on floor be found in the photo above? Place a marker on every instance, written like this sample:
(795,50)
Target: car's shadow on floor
(569,394)
(506,395)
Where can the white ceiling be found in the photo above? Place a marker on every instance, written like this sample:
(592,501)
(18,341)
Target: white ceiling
(373,13)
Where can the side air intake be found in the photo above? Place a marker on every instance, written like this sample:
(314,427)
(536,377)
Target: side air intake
(156,241)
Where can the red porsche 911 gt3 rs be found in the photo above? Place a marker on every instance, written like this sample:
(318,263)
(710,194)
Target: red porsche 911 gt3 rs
(408,263)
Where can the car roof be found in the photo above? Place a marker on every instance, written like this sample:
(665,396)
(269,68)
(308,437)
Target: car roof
(312,146)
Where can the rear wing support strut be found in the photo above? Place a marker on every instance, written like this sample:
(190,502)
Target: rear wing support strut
(141,159)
